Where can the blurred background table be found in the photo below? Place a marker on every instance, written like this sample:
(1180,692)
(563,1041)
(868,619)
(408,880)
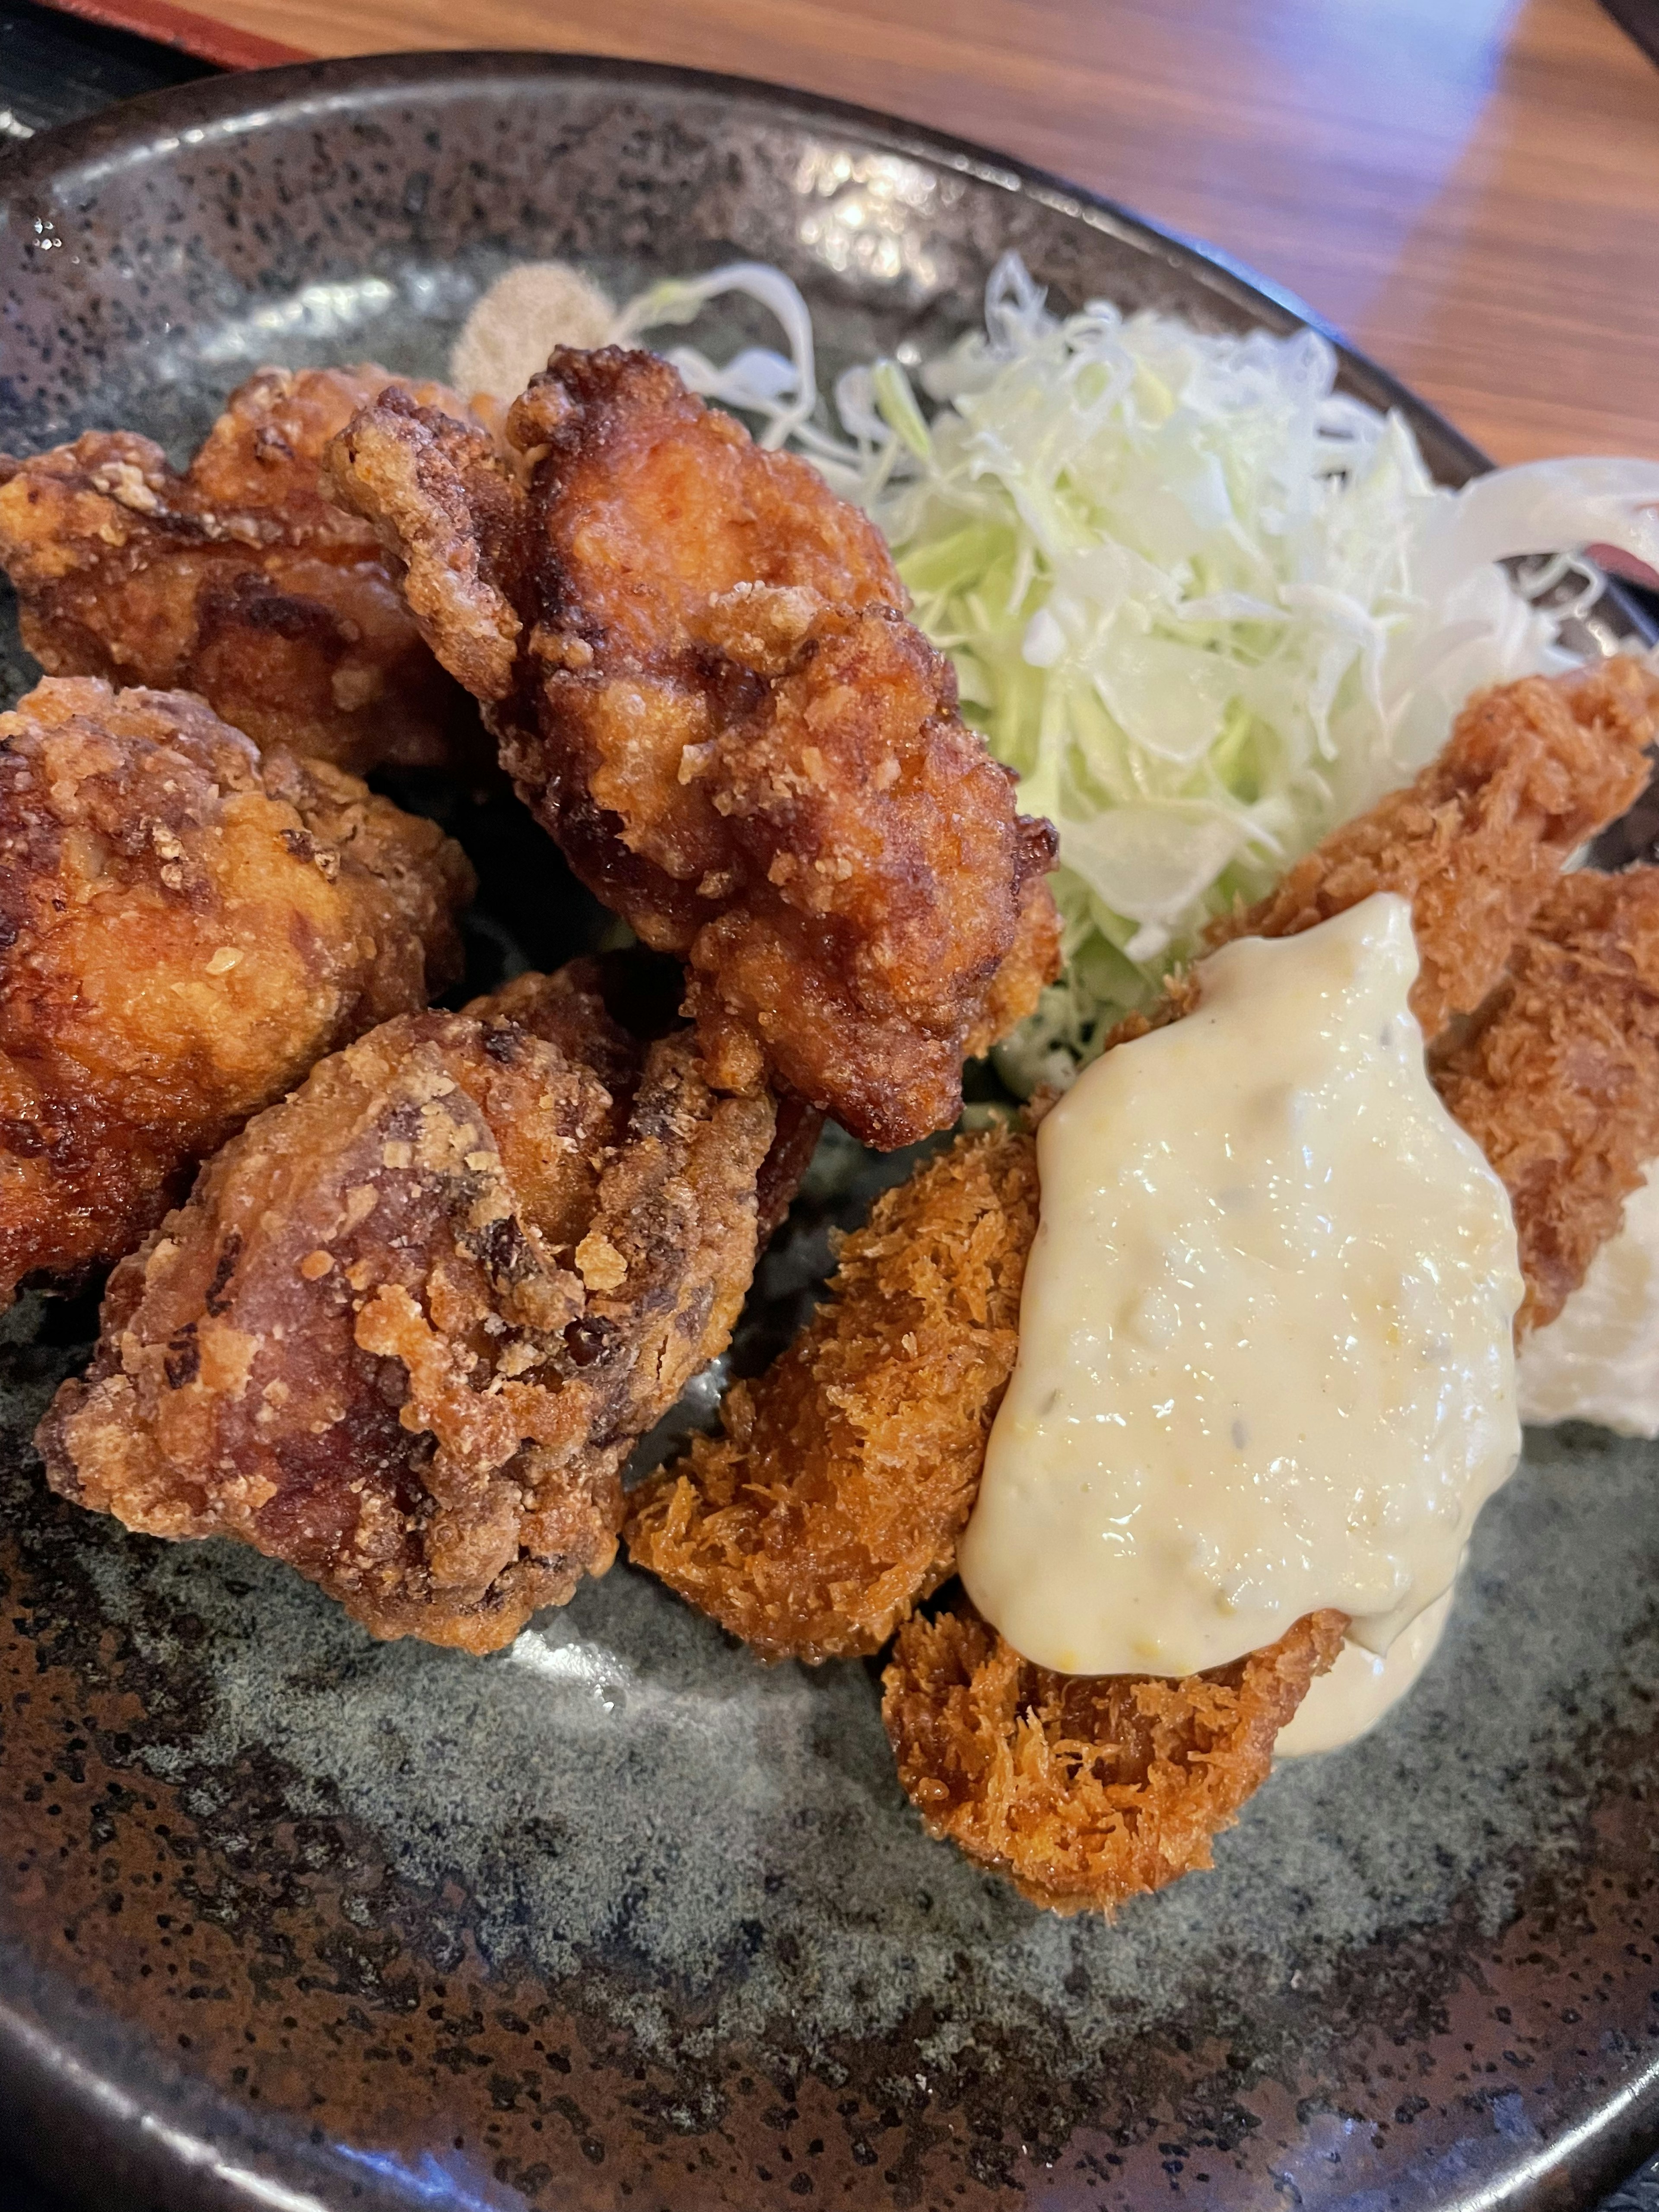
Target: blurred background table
(1469,188)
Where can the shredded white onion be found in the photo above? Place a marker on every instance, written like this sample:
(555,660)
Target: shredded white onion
(783,391)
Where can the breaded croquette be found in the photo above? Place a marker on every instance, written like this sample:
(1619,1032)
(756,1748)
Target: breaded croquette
(238,580)
(832,1502)
(872,1424)
(1085,1789)
(411,1320)
(695,658)
(184,930)
(1558,1077)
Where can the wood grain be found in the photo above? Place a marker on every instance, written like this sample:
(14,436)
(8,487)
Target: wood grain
(231,47)
(1470,188)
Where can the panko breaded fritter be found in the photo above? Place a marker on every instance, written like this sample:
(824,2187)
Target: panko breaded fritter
(1085,1789)
(239,579)
(695,658)
(411,1320)
(870,1428)
(1558,1079)
(1531,771)
(184,930)
(831,1502)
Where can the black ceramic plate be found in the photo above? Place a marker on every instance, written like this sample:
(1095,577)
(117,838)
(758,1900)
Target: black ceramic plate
(620,1917)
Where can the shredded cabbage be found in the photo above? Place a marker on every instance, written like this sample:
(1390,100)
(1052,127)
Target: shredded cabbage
(1205,605)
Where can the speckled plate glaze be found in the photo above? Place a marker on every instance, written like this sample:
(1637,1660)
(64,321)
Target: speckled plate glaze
(620,1917)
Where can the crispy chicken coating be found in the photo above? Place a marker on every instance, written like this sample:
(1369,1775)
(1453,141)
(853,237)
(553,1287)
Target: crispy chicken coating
(238,580)
(1531,771)
(184,930)
(1085,1789)
(411,1320)
(1558,1079)
(695,658)
(832,1501)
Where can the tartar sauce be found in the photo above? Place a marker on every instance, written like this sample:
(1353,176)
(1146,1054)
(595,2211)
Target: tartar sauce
(1266,1363)
(1598,1358)
(1347,1703)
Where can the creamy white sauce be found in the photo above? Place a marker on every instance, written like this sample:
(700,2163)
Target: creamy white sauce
(1598,1358)
(1265,1361)
(1348,1702)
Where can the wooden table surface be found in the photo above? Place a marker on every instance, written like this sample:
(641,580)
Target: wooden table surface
(1469,188)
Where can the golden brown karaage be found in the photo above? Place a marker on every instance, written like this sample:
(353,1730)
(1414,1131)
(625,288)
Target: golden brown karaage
(411,1320)
(695,660)
(185,929)
(239,579)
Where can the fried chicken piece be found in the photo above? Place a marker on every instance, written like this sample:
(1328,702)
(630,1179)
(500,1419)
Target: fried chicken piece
(1085,1789)
(238,580)
(695,658)
(833,1499)
(184,930)
(411,1320)
(1557,1079)
(1531,771)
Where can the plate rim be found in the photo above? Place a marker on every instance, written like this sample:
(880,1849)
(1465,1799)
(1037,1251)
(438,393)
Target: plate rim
(152,126)
(217,103)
